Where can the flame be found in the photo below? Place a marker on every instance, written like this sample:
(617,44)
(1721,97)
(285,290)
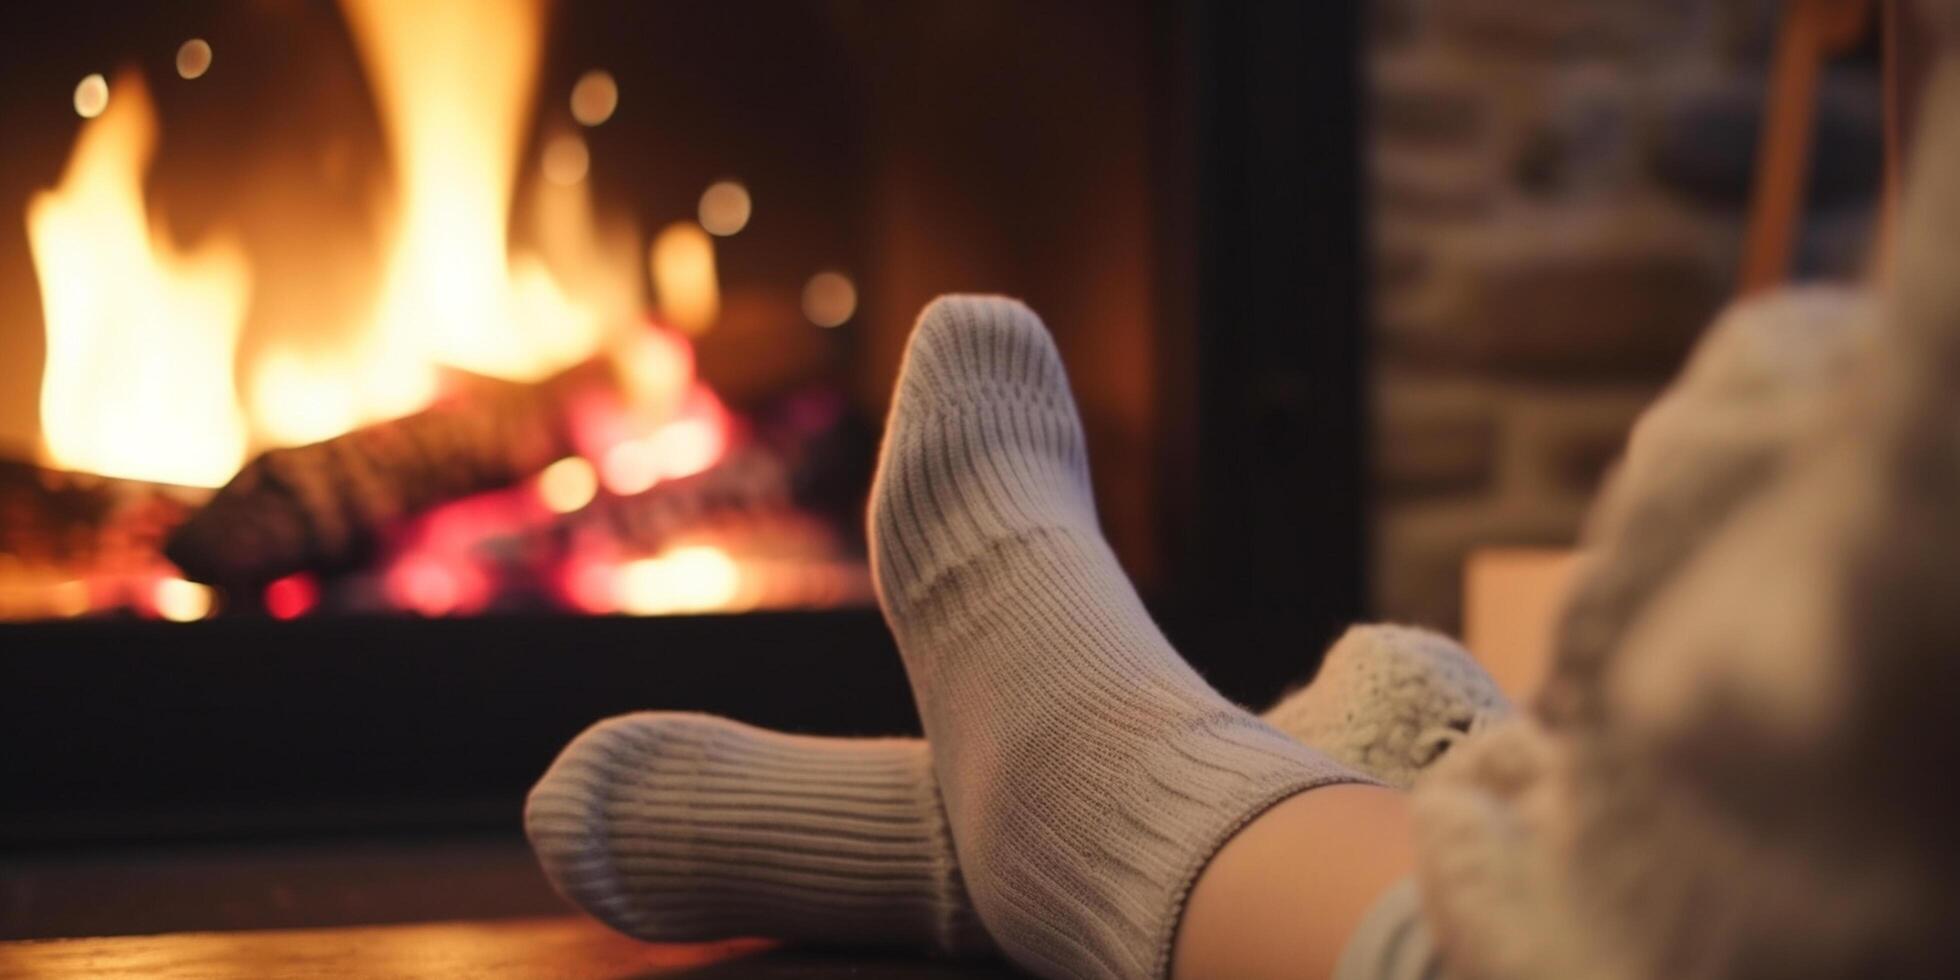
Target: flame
(682,261)
(143,339)
(140,336)
(454,79)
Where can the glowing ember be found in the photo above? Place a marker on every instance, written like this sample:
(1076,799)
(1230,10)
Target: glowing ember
(180,601)
(696,578)
(143,346)
(69,598)
(434,587)
(567,485)
(291,597)
(140,336)
(687,445)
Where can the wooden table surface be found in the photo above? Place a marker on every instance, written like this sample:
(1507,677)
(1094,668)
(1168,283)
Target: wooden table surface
(568,948)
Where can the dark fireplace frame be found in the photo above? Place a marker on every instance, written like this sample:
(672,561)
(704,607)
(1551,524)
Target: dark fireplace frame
(254,729)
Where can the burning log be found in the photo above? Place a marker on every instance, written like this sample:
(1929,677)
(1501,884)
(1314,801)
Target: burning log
(808,454)
(322,507)
(72,543)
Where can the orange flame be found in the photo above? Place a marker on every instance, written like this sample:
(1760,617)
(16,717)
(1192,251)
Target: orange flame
(454,79)
(141,337)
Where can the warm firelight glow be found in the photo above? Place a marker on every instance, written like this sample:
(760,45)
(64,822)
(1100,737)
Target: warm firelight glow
(180,601)
(292,597)
(689,444)
(566,160)
(695,578)
(296,400)
(141,337)
(683,266)
(69,598)
(454,80)
(568,485)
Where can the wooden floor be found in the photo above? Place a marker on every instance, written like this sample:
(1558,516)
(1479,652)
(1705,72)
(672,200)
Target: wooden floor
(568,948)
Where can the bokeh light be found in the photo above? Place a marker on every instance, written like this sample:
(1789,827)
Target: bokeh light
(725,208)
(91,96)
(180,601)
(595,97)
(193,58)
(568,484)
(566,160)
(292,597)
(829,299)
(696,578)
(682,261)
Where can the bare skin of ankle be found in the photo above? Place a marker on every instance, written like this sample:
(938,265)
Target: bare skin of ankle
(1281,898)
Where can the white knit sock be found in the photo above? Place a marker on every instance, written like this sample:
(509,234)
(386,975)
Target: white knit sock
(680,827)
(1088,773)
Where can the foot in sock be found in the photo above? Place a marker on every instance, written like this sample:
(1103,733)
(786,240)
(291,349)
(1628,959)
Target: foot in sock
(1087,772)
(681,827)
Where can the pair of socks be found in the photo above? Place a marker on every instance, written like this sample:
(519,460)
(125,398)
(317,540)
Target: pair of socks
(1077,773)
(674,826)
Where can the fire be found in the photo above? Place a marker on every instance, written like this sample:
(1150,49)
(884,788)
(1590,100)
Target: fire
(144,377)
(141,337)
(454,79)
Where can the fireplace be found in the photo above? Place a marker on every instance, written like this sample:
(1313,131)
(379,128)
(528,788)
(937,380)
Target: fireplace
(371,420)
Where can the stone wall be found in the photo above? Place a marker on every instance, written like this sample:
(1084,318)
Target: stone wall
(1559,189)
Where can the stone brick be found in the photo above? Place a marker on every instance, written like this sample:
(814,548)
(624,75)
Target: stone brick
(1432,437)
(1566,438)
(1423,187)
(1570,298)
(1704,142)
(1392,22)
(1398,266)
(1585,143)
(1426,116)
(1565,29)
(1558,191)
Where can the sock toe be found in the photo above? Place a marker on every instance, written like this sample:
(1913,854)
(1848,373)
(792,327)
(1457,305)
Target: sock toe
(566,818)
(682,827)
(968,342)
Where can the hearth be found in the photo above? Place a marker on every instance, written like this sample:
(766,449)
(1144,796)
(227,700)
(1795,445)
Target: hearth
(389,390)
